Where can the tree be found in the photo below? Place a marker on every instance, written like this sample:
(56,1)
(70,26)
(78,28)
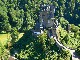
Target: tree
(3,52)
(74,28)
(55,3)
(14,35)
(63,22)
(3,18)
(42,39)
(65,54)
(30,21)
(16,17)
(7,27)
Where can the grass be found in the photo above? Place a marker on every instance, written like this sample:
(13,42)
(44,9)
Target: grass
(20,35)
(6,37)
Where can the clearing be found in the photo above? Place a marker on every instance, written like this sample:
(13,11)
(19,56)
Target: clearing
(6,37)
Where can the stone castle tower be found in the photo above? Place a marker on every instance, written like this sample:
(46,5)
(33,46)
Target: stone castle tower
(46,20)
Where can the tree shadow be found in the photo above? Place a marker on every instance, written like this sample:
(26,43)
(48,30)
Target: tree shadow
(27,39)
(22,42)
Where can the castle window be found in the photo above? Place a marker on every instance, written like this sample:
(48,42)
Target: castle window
(54,10)
(49,7)
(43,15)
(42,20)
(48,21)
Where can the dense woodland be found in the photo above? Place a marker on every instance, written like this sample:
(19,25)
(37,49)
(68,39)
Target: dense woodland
(20,16)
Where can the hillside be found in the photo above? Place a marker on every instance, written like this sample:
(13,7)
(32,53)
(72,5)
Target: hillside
(18,19)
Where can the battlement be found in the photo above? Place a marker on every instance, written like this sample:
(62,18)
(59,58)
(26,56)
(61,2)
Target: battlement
(47,8)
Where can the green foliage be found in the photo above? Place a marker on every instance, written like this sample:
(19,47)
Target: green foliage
(34,48)
(55,3)
(19,15)
(23,14)
(14,35)
(74,28)
(4,54)
(65,54)
(70,39)
(78,50)
(63,22)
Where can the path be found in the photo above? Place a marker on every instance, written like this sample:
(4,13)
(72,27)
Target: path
(73,53)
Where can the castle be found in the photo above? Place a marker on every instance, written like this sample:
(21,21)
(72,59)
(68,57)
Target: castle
(46,20)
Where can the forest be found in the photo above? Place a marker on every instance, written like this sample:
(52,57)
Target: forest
(20,16)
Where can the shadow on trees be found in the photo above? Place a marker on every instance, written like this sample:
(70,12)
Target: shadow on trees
(27,39)
(22,42)
(31,41)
